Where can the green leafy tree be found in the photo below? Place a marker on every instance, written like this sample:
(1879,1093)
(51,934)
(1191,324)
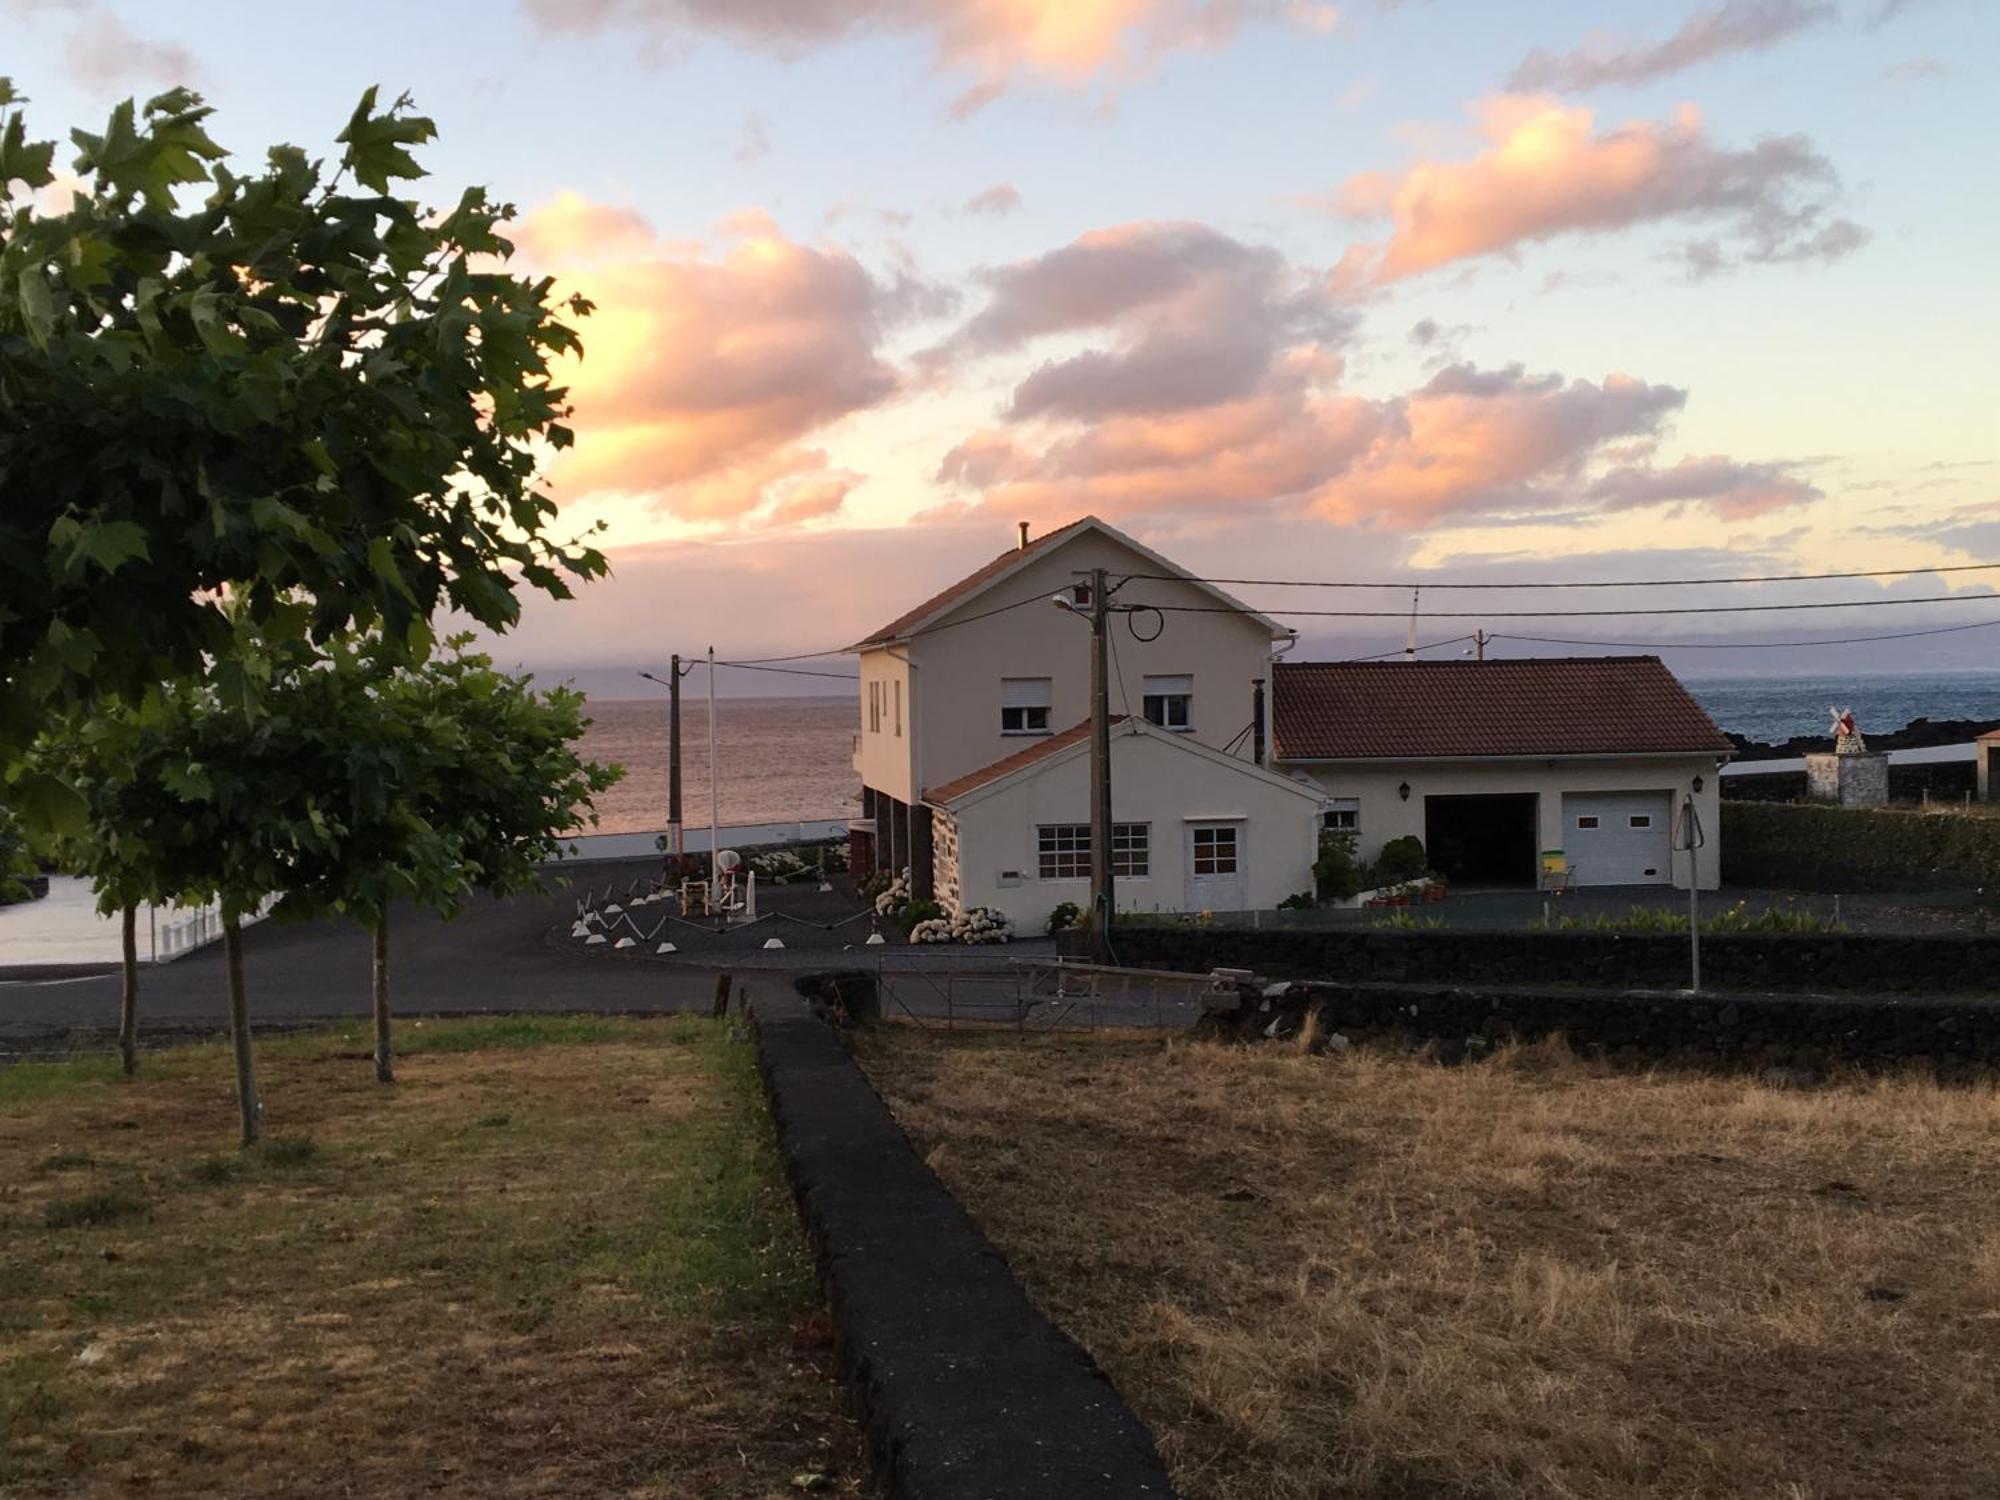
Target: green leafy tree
(455,780)
(287,393)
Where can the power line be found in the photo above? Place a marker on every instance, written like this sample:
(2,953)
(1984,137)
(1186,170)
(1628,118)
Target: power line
(1848,640)
(1400,650)
(770,661)
(1572,583)
(1573,614)
(751,666)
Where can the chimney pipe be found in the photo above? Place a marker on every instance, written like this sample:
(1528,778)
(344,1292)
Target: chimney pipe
(1024,534)
(1257,721)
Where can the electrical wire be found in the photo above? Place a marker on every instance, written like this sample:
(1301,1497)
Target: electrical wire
(1572,583)
(1573,614)
(763,661)
(1846,640)
(751,666)
(1426,646)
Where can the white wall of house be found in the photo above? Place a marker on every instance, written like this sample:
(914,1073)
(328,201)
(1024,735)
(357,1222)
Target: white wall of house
(952,685)
(1163,785)
(885,756)
(1385,815)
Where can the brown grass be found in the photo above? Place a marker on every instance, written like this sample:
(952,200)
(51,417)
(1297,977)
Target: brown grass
(553,1259)
(1364,1274)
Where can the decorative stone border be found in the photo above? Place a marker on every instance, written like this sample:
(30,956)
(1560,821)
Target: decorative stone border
(967,1392)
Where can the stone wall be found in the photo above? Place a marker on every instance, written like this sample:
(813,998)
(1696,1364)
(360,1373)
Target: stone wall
(944,858)
(1851,780)
(1963,964)
(1794,1029)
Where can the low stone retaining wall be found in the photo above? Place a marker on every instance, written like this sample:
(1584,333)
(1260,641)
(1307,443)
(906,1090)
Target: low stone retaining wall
(967,1392)
(1752,962)
(1954,1035)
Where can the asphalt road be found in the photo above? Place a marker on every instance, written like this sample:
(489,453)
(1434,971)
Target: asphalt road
(493,957)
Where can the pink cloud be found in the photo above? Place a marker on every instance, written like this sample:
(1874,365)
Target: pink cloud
(1736,26)
(1546,171)
(707,376)
(1000,199)
(995,42)
(1732,490)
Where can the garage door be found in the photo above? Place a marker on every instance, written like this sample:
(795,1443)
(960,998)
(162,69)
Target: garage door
(1619,838)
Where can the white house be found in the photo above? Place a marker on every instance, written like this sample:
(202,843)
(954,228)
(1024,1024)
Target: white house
(1192,829)
(1496,764)
(1227,764)
(988,668)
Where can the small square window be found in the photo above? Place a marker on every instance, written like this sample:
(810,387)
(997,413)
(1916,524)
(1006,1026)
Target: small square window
(1642,820)
(1342,815)
(1024,705)
(1215,851)
(1169,702)
(1587,820)
(1064,851)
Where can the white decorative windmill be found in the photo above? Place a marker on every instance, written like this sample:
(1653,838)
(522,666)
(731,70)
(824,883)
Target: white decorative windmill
(1846,737)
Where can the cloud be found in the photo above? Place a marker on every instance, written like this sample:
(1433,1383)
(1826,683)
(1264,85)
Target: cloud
(1916,70)
(709,376)
(105,54)
(1190,316)
(1733,491)
(999,200)
(754,144)
(1546,171)
(994,42)
(1737,26)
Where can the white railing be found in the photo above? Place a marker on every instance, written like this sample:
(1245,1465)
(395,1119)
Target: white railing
(181,935)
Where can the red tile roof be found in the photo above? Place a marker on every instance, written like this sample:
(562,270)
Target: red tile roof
(969,585)
(1041,750)
(1597,705)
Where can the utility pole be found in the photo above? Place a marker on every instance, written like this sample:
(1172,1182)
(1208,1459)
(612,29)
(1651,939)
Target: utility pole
(1479,640)
(714,817)
(1103,900)
(675,840)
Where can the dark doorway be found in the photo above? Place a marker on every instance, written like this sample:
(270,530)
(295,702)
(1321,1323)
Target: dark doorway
(1482,840)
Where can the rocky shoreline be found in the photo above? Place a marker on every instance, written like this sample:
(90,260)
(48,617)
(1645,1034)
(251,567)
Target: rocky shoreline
(1916,734)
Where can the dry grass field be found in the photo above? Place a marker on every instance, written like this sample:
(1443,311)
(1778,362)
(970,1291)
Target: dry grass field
(1366,1274)
(553,1259)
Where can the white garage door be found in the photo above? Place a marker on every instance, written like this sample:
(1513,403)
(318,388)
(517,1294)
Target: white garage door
(1619,838)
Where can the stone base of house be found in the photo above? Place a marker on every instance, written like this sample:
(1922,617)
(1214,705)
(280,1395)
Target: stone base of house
(1850,780)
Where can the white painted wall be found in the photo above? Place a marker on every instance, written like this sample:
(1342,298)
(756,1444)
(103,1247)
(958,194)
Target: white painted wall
(1153,782)
(1385,815)
(954,676)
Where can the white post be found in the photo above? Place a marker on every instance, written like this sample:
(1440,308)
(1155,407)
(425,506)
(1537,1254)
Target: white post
(714,816)
(1691,837)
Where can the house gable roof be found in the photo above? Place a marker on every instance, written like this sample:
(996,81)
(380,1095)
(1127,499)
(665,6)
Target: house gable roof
(1075,741)
(1014,559)
(1530,706)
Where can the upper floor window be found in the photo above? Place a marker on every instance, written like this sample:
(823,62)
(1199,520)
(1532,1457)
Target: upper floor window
(1169,702)
(874,708)
(899,708)
(1024,705)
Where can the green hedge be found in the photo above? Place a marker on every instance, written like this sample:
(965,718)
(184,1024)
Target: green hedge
(1805,846)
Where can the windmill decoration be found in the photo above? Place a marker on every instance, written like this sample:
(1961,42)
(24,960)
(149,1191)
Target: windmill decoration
(1846,737)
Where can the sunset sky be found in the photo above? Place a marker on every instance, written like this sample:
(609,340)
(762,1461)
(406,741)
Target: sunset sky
(1390,289)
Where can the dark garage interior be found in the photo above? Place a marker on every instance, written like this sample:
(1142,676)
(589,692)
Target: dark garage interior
(1488,839)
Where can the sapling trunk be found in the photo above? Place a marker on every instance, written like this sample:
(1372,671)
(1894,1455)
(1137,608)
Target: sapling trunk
(128,997)
(250,1106)
(385,1063)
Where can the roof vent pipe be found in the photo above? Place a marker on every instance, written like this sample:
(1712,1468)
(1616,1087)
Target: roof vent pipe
(1024,534)
(1257,721)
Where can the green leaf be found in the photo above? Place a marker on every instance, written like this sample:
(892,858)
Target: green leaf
(110,544)
(38,305)
(211,323)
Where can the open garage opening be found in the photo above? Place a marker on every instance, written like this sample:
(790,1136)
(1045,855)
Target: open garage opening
(1483,840)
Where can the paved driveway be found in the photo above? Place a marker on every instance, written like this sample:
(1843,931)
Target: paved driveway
(493,957)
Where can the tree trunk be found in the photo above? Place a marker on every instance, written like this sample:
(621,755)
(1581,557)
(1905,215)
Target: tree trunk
(251,1107)
(128,999)
(385,1064)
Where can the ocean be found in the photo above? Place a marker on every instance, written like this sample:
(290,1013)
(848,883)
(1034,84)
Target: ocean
(1774,709)
(786,760)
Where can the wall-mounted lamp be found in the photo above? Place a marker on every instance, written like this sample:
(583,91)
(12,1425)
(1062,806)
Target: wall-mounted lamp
(1403,791)
(1697,784)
